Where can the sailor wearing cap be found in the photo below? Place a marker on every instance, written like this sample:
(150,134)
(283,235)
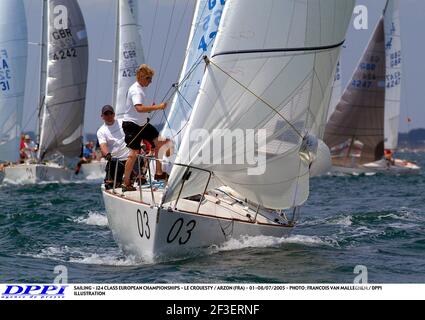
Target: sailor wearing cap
(112,145)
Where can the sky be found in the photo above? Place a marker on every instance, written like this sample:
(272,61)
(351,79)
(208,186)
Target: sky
(165,30)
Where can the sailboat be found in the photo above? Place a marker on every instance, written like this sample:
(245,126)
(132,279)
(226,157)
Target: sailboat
(128,56)
(13,61)
(365,122)
(63,79)
(270,77)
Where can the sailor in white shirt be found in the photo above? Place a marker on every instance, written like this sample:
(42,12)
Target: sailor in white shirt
(136,124)
(112,145)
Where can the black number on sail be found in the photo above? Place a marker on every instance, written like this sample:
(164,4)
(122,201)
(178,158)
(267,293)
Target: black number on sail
(64,54)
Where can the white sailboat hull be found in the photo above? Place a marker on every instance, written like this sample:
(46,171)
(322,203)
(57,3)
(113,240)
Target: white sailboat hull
(152,233)
(94,170)
(399,167)
(36,173)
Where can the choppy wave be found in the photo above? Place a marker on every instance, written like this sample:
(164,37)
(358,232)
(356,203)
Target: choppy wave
(269,242)
(77,255)
(93,219)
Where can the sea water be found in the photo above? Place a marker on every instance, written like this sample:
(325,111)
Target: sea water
(373,221)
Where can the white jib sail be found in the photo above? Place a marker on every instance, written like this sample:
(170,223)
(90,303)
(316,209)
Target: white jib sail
(270,73)
(66,79)
(393,53)
(129,54)
(13,62)
(204,30)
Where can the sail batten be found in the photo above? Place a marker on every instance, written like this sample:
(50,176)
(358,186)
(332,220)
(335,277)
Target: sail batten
(272,103)
(13,61)
(65,79)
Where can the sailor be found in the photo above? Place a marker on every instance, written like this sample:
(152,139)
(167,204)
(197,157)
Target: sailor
(388,156)
(28,149)
(136,124)
(87,156)
(112,145)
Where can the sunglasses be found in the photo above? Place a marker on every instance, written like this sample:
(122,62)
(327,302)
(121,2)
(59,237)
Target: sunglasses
(148,78)
(108,113)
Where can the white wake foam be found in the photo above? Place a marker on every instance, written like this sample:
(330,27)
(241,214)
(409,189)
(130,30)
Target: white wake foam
(269,242)
(67,254)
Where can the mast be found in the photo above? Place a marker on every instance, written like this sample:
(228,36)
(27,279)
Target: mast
(43,72)
(117,55)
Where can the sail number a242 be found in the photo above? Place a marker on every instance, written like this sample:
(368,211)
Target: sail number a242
(65,54)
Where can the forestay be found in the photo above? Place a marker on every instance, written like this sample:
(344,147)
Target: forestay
(274,72)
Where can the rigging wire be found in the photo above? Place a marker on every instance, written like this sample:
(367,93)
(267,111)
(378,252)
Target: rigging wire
(180,24)
(165,47)
(153,27)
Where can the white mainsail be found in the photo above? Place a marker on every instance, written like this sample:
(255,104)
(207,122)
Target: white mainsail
(129,53)
(204,29)
(393,73)
(64,78)
(13,62)
(273,72)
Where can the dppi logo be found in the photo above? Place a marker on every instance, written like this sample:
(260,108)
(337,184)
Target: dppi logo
(34,292)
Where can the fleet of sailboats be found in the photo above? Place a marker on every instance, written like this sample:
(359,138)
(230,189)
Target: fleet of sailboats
(366,119)
(272,84)
(63,81)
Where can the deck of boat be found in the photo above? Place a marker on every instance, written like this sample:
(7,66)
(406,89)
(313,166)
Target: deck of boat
(213,205)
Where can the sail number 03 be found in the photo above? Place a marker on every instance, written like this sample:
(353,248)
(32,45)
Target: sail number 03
(143,224)
(176,231)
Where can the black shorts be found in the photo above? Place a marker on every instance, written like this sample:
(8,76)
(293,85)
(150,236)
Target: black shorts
(134,134)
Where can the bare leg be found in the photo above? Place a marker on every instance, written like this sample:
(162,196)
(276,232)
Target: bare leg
(132,157)
(162,147)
